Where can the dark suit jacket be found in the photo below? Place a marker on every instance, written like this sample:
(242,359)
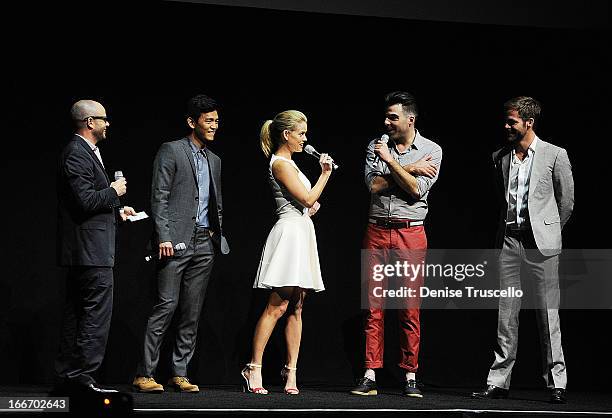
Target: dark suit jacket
(174,193)
(551,194)
(87,215)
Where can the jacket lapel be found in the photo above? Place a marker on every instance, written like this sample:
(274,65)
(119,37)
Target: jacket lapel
(212,171)
(505,167)
(538,166)
(88,149)
(213,205)
(189,154)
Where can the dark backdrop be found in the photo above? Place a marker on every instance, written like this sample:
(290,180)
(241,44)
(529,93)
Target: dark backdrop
(143,64)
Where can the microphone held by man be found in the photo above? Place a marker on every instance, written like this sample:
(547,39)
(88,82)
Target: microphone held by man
(120,186)
(383,140)
(178,247)
(120,183)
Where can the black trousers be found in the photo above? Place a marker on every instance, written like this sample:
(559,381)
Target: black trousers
(86,323)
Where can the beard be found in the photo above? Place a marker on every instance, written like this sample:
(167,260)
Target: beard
(394,134)
(100,135)
(514,136)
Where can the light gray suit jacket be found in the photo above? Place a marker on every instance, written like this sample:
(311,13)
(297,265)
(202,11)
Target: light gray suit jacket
(174,195)
(551,194)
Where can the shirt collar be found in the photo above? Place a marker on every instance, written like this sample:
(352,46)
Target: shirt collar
(418,140)
(194,148)
(92,146)
(416,144)
(530,150)
(532,146)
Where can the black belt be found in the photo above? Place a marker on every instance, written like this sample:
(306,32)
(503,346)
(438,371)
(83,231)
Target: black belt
(394,224)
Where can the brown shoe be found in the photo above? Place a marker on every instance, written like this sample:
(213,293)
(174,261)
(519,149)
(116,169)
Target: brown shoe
(147,385)
(181,384)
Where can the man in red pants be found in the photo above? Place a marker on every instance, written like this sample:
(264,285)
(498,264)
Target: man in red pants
(399,175)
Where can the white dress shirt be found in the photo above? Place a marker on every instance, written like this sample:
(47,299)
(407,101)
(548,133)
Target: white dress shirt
(94,148)
(518,188)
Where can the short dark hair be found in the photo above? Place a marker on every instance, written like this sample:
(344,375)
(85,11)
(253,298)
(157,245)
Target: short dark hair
(404,98)
(200,104)
(526,107)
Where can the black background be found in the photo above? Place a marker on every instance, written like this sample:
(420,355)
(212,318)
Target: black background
(143,63)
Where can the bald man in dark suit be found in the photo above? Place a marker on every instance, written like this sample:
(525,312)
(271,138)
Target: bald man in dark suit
(88,213)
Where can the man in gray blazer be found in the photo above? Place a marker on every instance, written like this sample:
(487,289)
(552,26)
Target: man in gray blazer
(187,208)
(536,188)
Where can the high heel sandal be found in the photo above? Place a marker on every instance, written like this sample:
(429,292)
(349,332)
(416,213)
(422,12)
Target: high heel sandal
(284,372)
(246,387)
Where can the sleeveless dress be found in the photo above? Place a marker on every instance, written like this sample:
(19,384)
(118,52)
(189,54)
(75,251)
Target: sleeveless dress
(290,256)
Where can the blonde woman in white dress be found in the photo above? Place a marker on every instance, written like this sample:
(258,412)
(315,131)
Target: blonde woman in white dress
(289,264)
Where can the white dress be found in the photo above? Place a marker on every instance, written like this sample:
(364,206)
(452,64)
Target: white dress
(290,256)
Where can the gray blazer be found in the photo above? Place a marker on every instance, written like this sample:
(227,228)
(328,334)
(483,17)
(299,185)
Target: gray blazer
(174,193)
(551,194)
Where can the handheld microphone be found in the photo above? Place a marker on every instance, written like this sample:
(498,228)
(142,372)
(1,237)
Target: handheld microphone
(118,175)
(178,247)
(383,140)
(309,149)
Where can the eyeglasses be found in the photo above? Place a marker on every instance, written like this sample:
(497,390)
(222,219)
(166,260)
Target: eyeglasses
(104,118)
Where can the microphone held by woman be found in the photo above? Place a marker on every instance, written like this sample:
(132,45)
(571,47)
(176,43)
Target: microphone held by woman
(309,149)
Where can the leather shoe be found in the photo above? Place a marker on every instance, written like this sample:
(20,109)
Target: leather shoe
(558,395)
(491,392)
(93,387)
(182,384)
(146,384)
(68,388)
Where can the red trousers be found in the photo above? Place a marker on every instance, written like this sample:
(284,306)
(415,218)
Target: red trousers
(381,239)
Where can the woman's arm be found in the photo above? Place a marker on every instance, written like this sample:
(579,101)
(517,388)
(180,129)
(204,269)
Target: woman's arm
(286,174)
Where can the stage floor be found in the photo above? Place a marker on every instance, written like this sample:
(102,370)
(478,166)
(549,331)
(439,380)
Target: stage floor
(229,400)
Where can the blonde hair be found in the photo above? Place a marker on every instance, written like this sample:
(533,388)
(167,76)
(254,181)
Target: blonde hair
(272,130)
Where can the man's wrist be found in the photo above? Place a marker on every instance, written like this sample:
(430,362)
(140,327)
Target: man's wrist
(409,168)
(392,163)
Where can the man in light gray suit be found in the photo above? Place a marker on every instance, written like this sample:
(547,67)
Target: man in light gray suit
(187,208)
(536,188)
